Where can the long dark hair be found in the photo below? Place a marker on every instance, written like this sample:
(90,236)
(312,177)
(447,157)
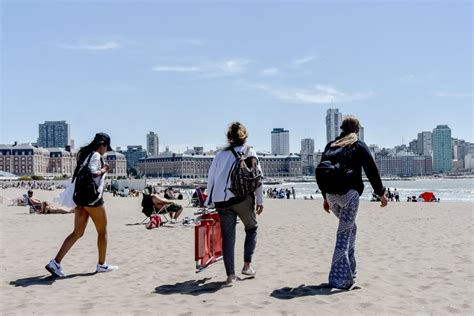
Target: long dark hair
(83,153)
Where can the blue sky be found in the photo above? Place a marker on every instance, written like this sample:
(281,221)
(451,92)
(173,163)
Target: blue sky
(187,69)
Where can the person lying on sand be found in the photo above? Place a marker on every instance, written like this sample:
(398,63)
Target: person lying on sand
(44,207)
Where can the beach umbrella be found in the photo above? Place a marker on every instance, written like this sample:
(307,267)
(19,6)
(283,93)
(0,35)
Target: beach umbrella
(427,196)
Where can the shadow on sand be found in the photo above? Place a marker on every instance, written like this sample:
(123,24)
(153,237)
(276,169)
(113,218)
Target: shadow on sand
(46,279)
(287,293)
(192,287)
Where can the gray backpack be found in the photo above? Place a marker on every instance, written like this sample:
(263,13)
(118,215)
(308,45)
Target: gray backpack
(245,175)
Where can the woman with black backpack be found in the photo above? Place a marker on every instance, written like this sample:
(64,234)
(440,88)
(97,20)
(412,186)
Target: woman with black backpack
(339,177)
(235,194)
(89,202)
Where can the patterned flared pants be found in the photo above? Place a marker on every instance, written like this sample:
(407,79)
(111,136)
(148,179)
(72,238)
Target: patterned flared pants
(343,267)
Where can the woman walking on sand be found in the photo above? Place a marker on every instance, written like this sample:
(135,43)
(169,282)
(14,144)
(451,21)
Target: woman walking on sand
(229,206)
(91,154)
(344,198)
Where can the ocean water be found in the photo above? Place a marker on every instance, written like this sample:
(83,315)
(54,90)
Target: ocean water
(448,190)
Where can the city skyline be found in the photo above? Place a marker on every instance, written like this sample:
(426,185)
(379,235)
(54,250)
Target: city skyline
(189,147)
(169,71)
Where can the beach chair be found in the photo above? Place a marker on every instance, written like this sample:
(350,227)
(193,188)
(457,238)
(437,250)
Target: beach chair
(192,199)
(197,199)
(207,240)
(34,208)
(149,209)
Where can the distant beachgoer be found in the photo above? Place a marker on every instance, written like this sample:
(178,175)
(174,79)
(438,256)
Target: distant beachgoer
(169,194)
(397,195)
(389,194)
(293,193)
(95,150)
(345,204)
(44,207)
(288,192)
(229,206)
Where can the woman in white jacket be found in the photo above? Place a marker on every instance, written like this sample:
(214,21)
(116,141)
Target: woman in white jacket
(230,206)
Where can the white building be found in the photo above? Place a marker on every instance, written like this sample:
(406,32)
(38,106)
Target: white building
(333,124)
(152,144)
(280,142)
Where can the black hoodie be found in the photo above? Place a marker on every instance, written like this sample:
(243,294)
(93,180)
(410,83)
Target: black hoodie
(359,158)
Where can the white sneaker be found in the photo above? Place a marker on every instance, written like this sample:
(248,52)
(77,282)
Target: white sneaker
(250,271)
(173,221)
(106,268)
(54,268)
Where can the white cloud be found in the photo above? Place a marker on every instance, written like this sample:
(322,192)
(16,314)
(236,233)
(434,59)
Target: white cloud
(216,69)
(303,60)
(319,94)
(270,71)
(447,94)
(88,46)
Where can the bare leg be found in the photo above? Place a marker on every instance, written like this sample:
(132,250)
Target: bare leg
(99,217)
(176,215)
(57,211)
(81,218)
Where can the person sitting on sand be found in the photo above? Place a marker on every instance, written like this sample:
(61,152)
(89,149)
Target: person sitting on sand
(43,207)
(169,193)
(172,208)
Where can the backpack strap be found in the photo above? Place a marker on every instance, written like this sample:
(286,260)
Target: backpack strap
(236,155)
(83,164)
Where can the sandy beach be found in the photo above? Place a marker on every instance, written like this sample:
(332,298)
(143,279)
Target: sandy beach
(413,259)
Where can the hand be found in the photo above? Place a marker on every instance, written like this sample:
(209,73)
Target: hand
(383,200)
(326,206)
(259,209)
(106,167)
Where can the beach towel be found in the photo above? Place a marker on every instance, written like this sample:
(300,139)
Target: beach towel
(65,198)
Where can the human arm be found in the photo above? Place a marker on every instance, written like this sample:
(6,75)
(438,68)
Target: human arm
(372,173)
(210,182)
(96,167)
(326,206)
(259,191)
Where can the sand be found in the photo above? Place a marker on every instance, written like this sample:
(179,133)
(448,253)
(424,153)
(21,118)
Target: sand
(413,258)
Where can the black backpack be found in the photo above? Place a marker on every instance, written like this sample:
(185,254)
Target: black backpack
(333,174)
(245,175)
(86,190)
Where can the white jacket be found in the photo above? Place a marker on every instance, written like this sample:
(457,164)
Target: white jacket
(218,181)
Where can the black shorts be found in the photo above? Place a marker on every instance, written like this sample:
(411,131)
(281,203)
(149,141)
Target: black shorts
(98,203)
(173,208)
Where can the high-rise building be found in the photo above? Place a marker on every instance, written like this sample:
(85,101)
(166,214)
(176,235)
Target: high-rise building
(132,155)
(152,144)
(442,149)
(333,124)
(307,156)
(54,134)
(361,133)
(460,150)
(424,144)
(280,141)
